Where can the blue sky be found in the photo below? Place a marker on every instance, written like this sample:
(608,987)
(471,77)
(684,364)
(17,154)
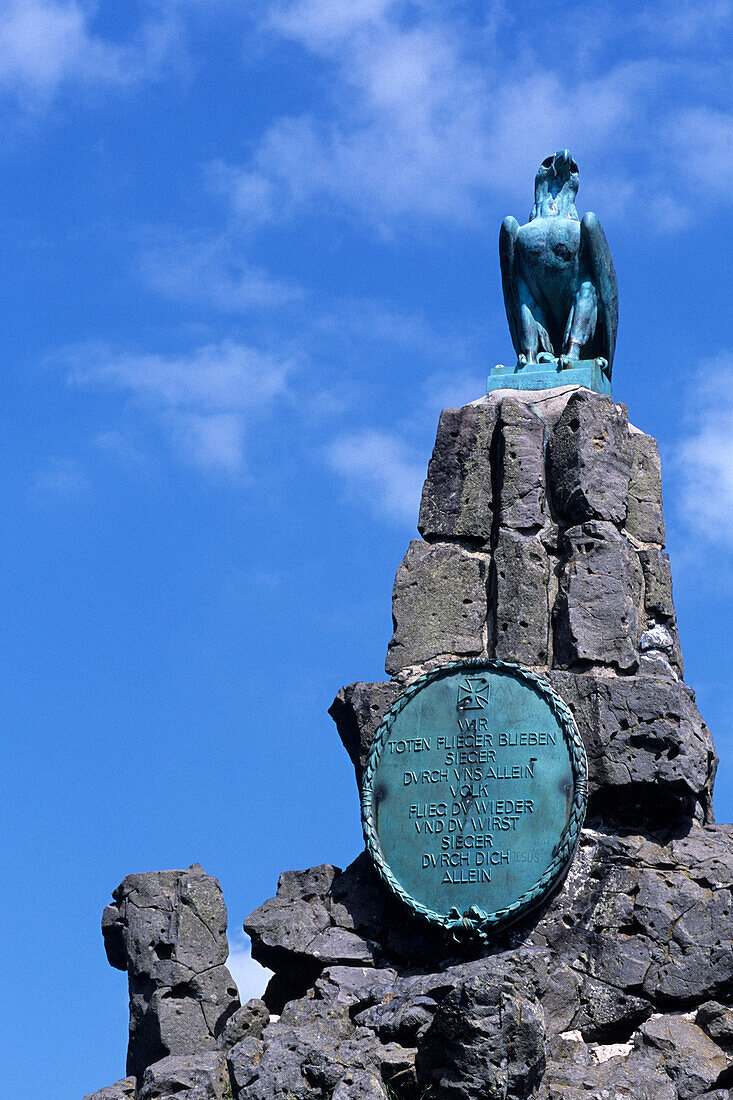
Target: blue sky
(250,251)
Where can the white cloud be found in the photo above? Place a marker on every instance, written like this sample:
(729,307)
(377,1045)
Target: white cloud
(48,43)
(203,401)
(251,978)
(380,469)
(214,272)
(702,141)
(426,115)
(704,461)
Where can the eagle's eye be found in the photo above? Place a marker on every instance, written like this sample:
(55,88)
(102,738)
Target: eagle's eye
(547,162)
(573,166)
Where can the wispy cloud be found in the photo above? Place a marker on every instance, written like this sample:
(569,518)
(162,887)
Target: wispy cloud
(704,462)
(428,116)
(212,271)
(202,400)
(46,44)
(380,469)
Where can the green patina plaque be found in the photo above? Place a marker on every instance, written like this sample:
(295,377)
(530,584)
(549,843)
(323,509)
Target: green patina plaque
(474,794)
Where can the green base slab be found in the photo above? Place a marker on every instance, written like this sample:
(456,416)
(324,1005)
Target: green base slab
(547,376)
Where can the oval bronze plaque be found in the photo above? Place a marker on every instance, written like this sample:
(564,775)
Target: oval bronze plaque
(474,794)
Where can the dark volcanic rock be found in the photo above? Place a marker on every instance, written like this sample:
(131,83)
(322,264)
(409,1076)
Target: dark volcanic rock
(439,605)
(202,1076)
(312,1050)
(457,500)
(591,459)
(247,1022)
(650,755)
(167,929)
(692,1061)
(485,1043)
(716,1020)
(630,1077)
(358,710)
(122,1090)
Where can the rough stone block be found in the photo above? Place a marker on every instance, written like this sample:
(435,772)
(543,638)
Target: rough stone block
(202,1076)
(590,459)
(457,497)
(167,929)
(644,519)
(358,710)
(716,1020)
(439,605)
(597,614)
(630,1077)
(693,1062)
(521,573)
(312,1051)
(650,755)
(121,1090)
(657,583)
(487,1040)
(521,461)
(249,1021)
(659,606)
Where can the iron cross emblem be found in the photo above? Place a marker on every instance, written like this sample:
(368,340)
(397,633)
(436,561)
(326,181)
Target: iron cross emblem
(473,693)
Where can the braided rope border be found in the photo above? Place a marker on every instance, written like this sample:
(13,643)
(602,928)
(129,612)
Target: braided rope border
(475,922)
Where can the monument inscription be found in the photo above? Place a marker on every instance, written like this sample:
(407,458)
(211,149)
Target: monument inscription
(474,794)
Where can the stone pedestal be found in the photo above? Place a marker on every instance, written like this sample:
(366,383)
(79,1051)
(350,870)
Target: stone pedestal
(542,542)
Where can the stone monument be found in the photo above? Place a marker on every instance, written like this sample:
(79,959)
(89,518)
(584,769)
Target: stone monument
(576,941)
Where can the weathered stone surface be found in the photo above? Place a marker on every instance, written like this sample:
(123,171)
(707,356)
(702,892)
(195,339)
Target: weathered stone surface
(439,605)
(644,512)
(355,987)
(716,1020)
(591,459)
(360,1085)
(652,920)
(521,574)
(659,607)
(121,1090)
(657,583)
(167,929)
(521,462)
(618,1078)
(485,1043)
(692,1061)
(248,1021)
(311,1051)
(357,711)
(598,608)
(457,496)
(650,755)
(202,1076)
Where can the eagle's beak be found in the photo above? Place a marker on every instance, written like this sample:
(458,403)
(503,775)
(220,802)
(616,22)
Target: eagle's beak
(562,162)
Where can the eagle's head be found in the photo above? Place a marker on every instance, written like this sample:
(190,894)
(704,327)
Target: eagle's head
(555,187)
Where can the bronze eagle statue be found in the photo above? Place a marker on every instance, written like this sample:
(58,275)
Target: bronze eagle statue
(558,277)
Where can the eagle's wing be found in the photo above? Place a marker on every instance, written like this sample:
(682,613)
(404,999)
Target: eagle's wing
(507,242)
(595,258)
